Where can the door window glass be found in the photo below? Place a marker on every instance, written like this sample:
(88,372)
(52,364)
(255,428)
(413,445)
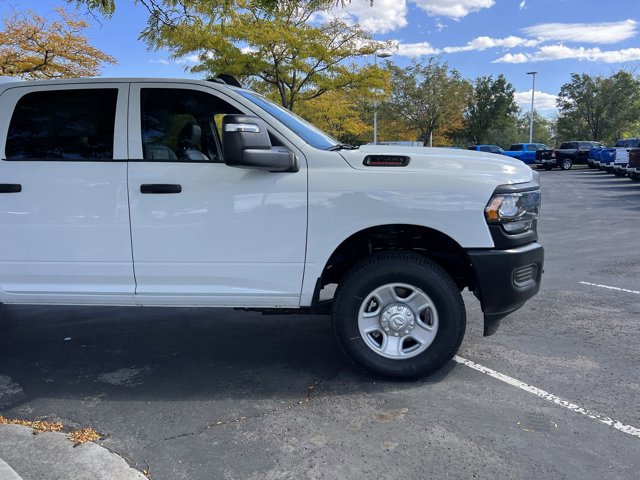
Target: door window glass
(63,125)
(179,124)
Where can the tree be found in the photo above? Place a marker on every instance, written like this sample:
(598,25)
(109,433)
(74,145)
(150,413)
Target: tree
(32,47)
(280,48)
(597,107)
(339,114)
(491,110)
(543,128)
(427,97)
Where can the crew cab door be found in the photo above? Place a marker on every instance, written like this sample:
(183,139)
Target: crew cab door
(64,211)
(203,232)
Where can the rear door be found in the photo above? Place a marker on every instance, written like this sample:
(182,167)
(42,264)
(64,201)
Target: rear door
(203,232)
(63,194)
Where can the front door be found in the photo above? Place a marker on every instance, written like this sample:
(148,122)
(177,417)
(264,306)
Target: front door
(63,194)
(203,232)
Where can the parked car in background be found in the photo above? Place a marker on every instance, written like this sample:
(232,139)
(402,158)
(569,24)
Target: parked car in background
(622,156)
(486,148)
(606,156)
(633,167)
(527,152)
(574,152)
(594,156)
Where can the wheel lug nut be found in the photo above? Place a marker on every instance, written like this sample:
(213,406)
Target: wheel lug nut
(406,331)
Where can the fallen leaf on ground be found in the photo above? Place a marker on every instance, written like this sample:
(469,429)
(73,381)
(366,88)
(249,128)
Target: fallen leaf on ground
(37,425)
(78,437)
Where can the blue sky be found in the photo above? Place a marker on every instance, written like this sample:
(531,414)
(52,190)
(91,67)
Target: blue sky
(477,37)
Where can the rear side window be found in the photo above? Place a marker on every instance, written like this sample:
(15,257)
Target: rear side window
(516,147)
(569,146)
(63,125)
(484,148)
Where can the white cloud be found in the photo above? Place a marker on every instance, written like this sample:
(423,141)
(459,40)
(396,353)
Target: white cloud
(482,43)
(452,9)
(541,101)
(161,61)
(513,58)
(413,49)
(188,59)
(606,32)
(561,52)
(522,4)
(384,16)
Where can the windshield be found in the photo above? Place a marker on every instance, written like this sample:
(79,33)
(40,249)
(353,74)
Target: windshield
(310,134)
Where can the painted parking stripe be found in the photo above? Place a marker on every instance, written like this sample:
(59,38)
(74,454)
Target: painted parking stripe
(628,429)
(611,288)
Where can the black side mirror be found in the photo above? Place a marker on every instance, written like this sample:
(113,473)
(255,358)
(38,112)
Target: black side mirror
(246,144)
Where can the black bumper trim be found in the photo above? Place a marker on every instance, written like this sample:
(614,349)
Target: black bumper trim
(495,285)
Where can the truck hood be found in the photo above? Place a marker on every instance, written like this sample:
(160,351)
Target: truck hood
(452,161)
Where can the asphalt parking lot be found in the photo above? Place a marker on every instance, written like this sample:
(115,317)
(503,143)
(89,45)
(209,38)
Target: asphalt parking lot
(219,394)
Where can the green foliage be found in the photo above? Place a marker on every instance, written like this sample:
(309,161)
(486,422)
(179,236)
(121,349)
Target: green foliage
(597,107)
(543,129)
(427,97)
(290,57)
(490,112)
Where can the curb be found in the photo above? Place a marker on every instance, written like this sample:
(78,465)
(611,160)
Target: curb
(52,456)
(8,473)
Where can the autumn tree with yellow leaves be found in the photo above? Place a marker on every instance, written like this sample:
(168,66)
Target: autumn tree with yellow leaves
(33,47)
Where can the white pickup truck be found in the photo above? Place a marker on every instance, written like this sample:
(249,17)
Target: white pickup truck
(197,193)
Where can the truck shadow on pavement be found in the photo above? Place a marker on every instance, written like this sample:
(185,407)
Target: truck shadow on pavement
(157,354)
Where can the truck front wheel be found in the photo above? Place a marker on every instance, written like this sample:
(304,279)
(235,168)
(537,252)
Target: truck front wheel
(399,315)
(566,164)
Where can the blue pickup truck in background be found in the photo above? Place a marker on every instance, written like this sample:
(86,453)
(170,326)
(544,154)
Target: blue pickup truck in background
(525,151)
(486,148)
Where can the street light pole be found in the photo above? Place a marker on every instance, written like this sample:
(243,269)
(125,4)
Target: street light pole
(533,92)
(375,99)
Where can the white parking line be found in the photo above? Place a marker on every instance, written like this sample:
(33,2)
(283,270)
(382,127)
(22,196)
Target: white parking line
(628,429)
(611,288)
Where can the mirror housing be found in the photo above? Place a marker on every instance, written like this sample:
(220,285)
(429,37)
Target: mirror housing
(246,144)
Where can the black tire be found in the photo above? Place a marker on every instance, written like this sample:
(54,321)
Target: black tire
(635,177)
(590,164)
(408,268)
(548,167)
(566,164)
(619,173)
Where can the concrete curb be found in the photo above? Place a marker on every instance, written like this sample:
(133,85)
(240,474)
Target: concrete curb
(7,473)
(52,456)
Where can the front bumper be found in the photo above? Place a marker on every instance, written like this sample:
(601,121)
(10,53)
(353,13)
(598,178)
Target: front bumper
(505,280)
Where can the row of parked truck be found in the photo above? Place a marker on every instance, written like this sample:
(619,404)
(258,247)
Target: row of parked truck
(621,159)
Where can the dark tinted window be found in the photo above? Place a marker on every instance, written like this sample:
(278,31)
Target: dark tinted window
(485,148)
(569,145)
(495,149)
(516,147)
(180,124)
(63,125)
(531,148)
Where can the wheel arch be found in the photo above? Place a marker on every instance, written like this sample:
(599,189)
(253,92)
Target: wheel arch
(426,241)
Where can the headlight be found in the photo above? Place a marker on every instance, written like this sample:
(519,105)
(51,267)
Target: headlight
(514,211)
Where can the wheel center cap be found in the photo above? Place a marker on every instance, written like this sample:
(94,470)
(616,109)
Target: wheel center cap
(397,320)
